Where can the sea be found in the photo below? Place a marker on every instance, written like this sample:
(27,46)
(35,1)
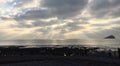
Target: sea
(112,43)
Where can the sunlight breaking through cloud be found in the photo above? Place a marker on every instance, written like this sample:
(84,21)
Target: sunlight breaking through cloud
(59,19)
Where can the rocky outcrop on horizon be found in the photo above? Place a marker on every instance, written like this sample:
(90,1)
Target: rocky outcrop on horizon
(110,37)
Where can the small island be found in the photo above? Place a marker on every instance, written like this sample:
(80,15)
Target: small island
(110,37)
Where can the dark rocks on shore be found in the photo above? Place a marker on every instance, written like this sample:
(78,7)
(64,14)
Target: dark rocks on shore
(119,52)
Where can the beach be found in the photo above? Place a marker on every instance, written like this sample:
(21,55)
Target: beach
(64,61)
(58,56)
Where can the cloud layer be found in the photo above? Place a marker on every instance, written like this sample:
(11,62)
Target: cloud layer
(59,19)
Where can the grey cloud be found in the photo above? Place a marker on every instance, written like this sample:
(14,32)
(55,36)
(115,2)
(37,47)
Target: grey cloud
(101,25)
(34,15)
(22,25)
(37,23)
(103,4)
(74,27)
(65,8)
(56,8)
(6,18)
(43,30)
(115,13)
(43,24)
(83,22)
(116,28)
(116,22)
(105,8)
(69,27)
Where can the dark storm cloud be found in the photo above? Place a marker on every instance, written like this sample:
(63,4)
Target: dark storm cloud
(56,8)
(65,8)
(105,8)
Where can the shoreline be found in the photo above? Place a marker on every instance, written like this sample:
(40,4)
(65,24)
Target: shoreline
(14,54)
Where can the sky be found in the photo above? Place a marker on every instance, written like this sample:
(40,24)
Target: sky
(59,19)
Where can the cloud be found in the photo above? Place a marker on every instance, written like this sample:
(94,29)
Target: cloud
(102,33)
(34,15)
(65,8)
(2,35)
(74,26)
(105,8)
(24,4)
(54,8)
(5,1)
(101,25)
(59,18)
(21,25)
(44,24)
(61,28)
(5,18)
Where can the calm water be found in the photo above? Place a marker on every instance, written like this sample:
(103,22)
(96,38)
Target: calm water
(97,43)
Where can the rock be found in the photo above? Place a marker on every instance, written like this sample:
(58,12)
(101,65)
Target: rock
(110,37)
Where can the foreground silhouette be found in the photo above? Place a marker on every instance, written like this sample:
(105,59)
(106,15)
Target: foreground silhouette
(15,54)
